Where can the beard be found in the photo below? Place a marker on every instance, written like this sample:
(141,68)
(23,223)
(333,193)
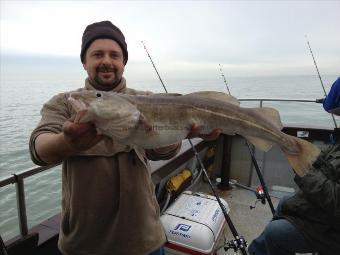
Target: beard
(114,78)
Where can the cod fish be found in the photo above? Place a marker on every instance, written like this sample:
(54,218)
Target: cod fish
(159,120)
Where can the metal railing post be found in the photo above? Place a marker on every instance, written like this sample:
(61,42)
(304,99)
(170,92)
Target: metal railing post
(3,250)
(21,204)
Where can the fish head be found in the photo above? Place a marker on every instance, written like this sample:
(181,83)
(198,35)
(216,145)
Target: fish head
(100,103)
(111,113)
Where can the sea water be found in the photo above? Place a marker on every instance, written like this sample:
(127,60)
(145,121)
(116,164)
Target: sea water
(22,97)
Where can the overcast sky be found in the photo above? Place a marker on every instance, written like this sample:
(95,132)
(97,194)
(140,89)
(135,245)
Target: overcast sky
(186,37)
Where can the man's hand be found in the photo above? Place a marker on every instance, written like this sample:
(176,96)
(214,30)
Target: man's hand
(196,132)
(54,148)
(80,136)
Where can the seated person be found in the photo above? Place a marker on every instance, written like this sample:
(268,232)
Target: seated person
(309,221)
(332,102)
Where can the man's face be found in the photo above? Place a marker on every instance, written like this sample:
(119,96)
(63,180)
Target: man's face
(104,63)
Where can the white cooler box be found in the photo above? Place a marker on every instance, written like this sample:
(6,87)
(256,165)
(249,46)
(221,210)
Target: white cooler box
(193,224)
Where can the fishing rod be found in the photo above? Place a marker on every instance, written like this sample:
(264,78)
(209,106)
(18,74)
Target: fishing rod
(239,243)
(317,70)
(257,168)
(224,79)
(154,67)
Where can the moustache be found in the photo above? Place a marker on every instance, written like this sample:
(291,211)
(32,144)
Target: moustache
(105,68)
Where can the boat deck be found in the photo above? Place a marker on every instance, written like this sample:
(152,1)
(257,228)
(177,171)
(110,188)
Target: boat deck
(249,223)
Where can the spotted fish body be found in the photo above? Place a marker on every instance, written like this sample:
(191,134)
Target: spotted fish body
(162,119)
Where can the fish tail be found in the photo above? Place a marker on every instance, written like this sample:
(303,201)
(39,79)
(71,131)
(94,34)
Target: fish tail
(305,156)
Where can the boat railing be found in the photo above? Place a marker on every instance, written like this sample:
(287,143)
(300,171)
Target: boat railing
(18,177)
(18,180)
(261,100)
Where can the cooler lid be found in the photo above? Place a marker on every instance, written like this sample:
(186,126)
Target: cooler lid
(194,221)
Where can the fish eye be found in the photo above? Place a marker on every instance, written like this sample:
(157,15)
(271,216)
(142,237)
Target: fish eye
(98,95)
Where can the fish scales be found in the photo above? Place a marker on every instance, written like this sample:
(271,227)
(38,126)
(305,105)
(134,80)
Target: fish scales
(159,120)
(219,114)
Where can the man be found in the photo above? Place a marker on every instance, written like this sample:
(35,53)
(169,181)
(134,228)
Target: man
(309,221)
(108,201)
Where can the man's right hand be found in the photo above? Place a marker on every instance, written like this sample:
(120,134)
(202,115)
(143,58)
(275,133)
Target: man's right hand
(54,148)
(80,136)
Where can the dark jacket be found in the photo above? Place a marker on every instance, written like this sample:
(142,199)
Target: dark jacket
(315,209)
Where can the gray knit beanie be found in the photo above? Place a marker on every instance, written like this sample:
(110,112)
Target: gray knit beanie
(102,30)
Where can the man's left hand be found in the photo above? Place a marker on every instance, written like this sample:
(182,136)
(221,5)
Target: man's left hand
(196,132)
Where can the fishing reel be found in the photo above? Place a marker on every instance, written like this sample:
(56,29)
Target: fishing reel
(260,197)
(236,244)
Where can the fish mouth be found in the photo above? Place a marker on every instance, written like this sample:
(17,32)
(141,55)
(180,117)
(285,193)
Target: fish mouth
(77,103)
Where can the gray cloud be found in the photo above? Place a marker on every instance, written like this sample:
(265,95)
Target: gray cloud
(186,37)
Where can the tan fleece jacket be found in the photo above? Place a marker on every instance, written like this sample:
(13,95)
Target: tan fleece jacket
(108,201)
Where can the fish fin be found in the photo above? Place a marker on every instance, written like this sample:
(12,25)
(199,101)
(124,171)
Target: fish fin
(271,114)
(259,143)
(215,95)
(303,160)
(144,124)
